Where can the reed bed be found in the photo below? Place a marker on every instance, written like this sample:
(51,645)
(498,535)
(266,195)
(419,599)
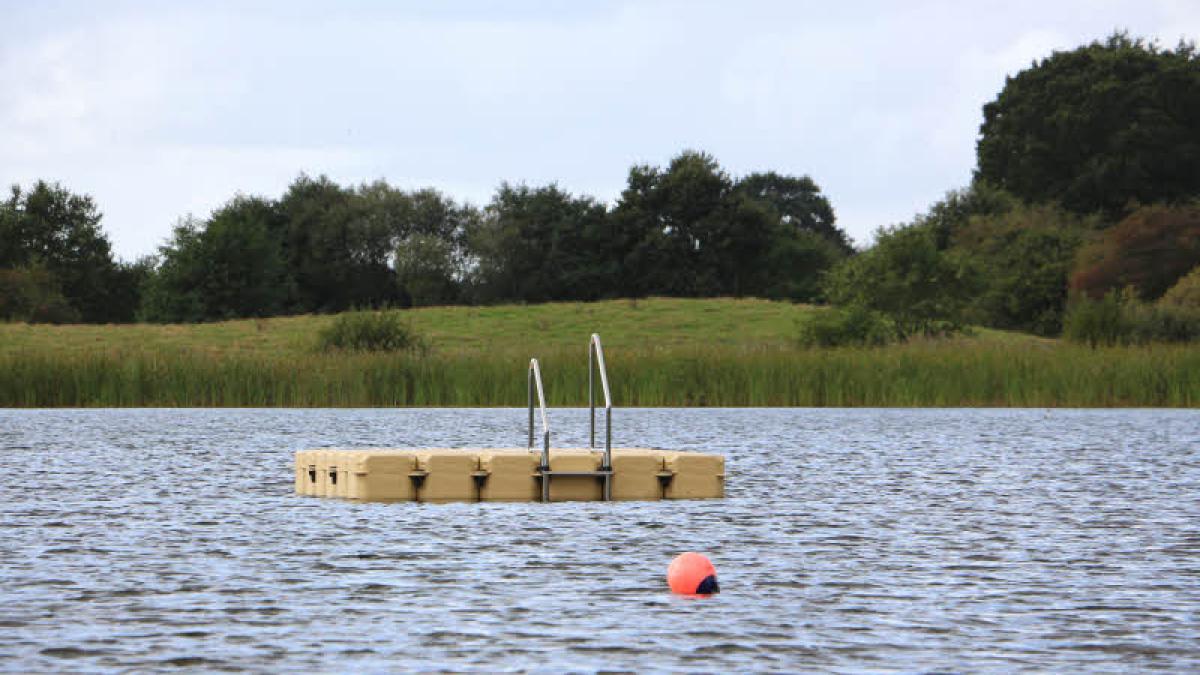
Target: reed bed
(945,373)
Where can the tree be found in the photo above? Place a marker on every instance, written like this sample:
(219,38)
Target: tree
(684,232)
(1098,127)
(691,230)
(173,293)
(422,234)
(796,202)
(128,283)
(245,272)
(954,213)
(540,244)
(1022,257)
(232,266)
(52,229)
(428,270)
(338,246)
(805,241)
(668,215)
(796,264)
(906,277)
(430,213)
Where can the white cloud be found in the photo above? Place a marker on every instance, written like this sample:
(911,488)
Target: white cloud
(160,111)
(83,89)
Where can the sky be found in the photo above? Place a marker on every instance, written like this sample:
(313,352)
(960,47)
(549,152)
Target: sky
(161,110)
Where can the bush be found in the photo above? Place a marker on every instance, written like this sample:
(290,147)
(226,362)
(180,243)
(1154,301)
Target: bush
(1185,293)
(1118,318)
(33,295)
(1095,322)
(1149,250)
(849,326)
(921,289)
(370,332)
(1160,323)
(1022,258)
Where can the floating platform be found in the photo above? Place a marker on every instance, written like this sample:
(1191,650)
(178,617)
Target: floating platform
(507,474)
(516,474)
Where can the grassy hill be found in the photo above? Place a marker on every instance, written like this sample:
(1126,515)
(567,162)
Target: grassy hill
(660,352)
(664,322)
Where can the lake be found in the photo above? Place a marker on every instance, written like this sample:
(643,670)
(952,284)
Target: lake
(850,540)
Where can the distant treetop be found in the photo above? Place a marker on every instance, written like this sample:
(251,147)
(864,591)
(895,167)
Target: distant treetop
(1098,128)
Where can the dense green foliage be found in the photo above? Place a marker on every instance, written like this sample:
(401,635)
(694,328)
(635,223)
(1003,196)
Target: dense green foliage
(686,234)
(33,294)
(851,326)
(954,212)
(1098,127)
(796,203)
(1185,293)
(905,276)
(233,266)
(57,263)
(983,257)
(692,230)
(540,245)
(1148,251)
(686,230)
(369,331)
(1020,260)
(1119,320)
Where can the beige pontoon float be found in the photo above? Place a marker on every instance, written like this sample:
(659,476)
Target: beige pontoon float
(516,474)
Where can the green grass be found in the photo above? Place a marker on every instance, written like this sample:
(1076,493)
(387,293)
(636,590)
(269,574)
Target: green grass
(660,352)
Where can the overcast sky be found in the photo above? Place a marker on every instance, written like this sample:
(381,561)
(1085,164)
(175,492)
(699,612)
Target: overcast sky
(163,109)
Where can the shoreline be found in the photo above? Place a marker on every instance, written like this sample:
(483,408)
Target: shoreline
(661,352)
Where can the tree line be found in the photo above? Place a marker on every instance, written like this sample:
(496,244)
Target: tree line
(688,229)
(1085,191)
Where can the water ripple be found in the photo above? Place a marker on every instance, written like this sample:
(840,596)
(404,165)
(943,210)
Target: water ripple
(851,540)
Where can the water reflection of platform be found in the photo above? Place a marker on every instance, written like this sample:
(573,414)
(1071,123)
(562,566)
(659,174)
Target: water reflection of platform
(507,474)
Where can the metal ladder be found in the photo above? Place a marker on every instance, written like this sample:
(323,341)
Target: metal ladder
(604,473)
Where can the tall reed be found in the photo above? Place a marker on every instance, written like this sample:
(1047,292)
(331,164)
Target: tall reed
(949,373)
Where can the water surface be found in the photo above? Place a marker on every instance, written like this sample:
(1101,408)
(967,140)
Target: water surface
(850,540)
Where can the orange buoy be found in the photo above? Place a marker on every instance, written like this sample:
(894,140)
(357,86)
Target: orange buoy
(692,574)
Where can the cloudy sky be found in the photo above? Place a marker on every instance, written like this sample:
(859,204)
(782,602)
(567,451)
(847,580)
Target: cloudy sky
(163,109)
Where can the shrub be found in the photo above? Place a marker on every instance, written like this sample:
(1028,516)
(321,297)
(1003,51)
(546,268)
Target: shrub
(907,278)
(1185,293)
(846,326)
(33,295)
(1150,250)
(1095,322)
(370,332)
(958,208)
(1022,258)
(1119,318)
(1148,323)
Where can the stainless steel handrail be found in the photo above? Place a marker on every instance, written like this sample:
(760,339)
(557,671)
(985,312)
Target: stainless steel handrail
(596,358)
(535,378)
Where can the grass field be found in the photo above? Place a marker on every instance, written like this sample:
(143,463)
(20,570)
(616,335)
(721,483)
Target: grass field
(660,352)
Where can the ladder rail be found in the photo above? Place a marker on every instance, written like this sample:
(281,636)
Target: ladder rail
(534,378)
(596,361)
(596,358)
(535,386)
